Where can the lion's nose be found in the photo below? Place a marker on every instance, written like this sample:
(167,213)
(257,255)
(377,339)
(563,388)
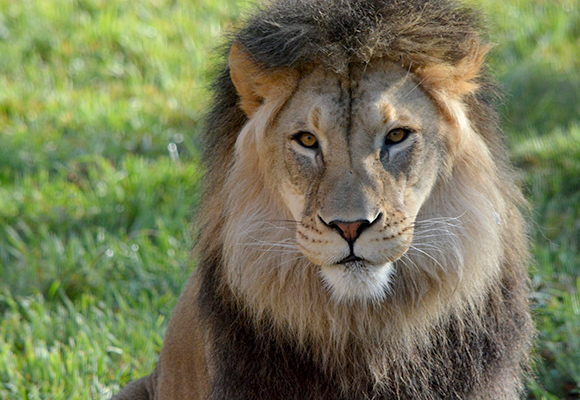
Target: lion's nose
(349,230)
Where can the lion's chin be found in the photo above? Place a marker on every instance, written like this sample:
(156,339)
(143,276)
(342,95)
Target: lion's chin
(357,281)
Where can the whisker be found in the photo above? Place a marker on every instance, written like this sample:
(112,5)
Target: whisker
(425,218)
(428,255)
(413,89)
(437,225)
(285,221)
(419,236)
(291,260)
(271,227)
(272,245)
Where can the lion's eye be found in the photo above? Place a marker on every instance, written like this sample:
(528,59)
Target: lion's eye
(306,139)
(396,136)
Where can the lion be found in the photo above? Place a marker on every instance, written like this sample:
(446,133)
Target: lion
(361,232)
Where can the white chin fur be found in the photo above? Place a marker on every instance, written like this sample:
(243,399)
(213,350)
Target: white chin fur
(358,282)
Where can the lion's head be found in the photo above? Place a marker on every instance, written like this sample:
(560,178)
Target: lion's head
(358,184)
(352,158)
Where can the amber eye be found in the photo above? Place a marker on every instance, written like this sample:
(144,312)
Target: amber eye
(396,136)
(306,139)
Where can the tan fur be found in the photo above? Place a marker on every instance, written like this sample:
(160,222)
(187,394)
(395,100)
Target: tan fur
(254,84)
(180,374)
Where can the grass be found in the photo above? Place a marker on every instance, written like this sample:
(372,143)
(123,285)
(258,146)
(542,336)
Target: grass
(100,106)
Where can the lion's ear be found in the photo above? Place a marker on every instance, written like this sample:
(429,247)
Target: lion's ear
(254,84)
(456,80)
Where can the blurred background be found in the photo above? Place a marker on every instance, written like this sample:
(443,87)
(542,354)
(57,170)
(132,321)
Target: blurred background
(100,107)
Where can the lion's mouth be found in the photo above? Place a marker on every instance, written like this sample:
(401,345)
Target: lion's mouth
(353,262)
(350,259)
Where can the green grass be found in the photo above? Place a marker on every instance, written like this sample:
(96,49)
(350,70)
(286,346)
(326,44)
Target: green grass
(94,238)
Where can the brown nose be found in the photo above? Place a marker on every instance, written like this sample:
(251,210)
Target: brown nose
(350,230)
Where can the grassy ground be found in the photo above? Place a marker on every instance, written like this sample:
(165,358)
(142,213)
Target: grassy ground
(100,103)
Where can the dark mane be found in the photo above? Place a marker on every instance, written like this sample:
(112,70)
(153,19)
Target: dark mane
(337,32)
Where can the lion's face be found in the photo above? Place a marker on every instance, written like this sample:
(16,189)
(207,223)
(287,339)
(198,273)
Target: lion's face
(354,160)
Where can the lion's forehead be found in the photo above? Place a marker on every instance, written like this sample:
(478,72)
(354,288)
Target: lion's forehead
(369,97)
